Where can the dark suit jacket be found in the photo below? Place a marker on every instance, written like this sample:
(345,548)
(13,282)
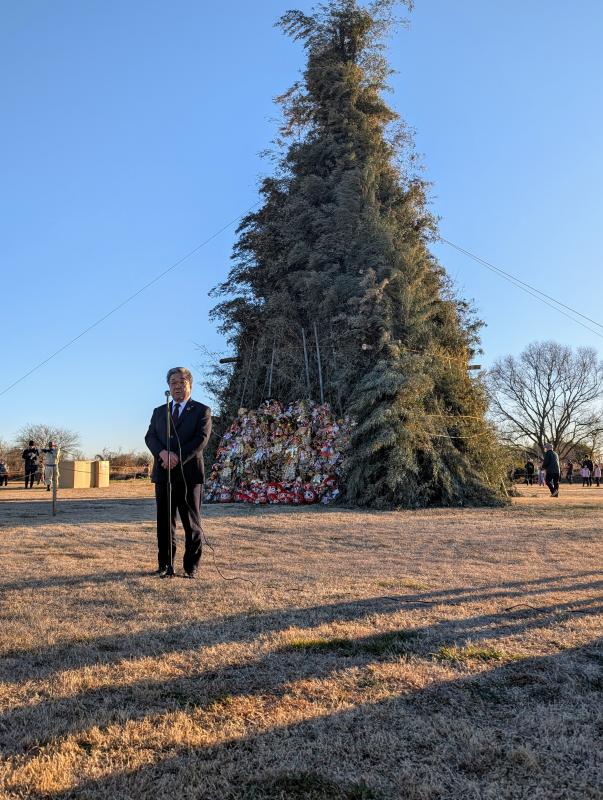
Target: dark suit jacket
(550,463)
(193,429)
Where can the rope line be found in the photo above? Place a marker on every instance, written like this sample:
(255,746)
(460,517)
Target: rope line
(127,300)
(529,289)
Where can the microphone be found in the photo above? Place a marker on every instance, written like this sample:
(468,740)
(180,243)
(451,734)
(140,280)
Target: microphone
(167,393)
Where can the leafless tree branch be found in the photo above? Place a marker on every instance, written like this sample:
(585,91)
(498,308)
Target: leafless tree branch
(548,393)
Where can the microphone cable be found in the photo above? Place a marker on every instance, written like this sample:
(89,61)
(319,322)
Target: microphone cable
(203,535)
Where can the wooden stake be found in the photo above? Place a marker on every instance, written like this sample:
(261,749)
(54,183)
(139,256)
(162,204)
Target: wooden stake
(322,394)
(271,371)
(257,386)
(336,382)
(307,365)
(246,375)
(54,490)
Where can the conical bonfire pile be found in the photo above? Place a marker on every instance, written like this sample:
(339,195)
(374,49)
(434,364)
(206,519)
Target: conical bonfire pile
(334,294)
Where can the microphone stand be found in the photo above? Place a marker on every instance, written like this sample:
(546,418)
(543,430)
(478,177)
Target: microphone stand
(169,573)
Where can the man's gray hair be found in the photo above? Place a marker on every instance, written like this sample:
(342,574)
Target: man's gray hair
(548,446)
(186,373)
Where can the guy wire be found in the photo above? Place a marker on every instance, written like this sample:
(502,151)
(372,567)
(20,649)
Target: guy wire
(128,299)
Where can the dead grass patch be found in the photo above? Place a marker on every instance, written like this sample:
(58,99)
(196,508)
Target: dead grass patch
(305,786)
(463,655)
(405,583)
(381,645)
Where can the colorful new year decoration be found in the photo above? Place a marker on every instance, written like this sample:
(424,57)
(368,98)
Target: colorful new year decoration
(278,455)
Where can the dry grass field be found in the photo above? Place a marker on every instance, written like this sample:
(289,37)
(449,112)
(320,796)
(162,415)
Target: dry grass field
(426,655)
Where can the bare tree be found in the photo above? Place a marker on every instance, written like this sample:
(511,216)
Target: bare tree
(69,441)
(548,394)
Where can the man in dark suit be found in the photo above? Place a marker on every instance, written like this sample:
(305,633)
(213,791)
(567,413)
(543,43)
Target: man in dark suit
(551,466)
(31,457)
(178,462)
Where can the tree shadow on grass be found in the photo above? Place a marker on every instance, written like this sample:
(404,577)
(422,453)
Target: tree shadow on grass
(521,730)
(39,514)
(19,665)
(306,656)
(511,590)
(63,581)
(34,664)
(74,511)
(449,596)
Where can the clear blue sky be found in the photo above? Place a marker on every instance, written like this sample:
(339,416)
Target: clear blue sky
(132,132)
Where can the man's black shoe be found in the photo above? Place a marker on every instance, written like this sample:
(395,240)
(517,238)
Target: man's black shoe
(191,575)
(160,571)
(169,572)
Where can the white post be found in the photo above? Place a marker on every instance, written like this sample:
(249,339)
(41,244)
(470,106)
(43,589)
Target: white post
(54,490)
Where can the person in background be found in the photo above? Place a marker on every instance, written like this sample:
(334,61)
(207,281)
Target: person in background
(52,453)
(541,477)
(585,475)
(597,475)
(3,473)
(529,472)
(550,464)
(588,463)
(569,475)
(31,457)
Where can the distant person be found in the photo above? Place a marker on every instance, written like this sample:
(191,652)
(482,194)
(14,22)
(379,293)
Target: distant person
(569,474)
(52,454)
(541,477)
(31,458)
(597,474)
(588,463)
(585,475)
(529,472)
(3,473)
(550,465)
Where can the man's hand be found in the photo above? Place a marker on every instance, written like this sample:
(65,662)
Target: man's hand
(168,459)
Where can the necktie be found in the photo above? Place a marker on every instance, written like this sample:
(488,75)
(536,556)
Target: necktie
(176,413)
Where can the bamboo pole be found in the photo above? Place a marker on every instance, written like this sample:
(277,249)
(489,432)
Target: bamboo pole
(307,364)
(246,375)
(322,394)
(271,370)
(336,382)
